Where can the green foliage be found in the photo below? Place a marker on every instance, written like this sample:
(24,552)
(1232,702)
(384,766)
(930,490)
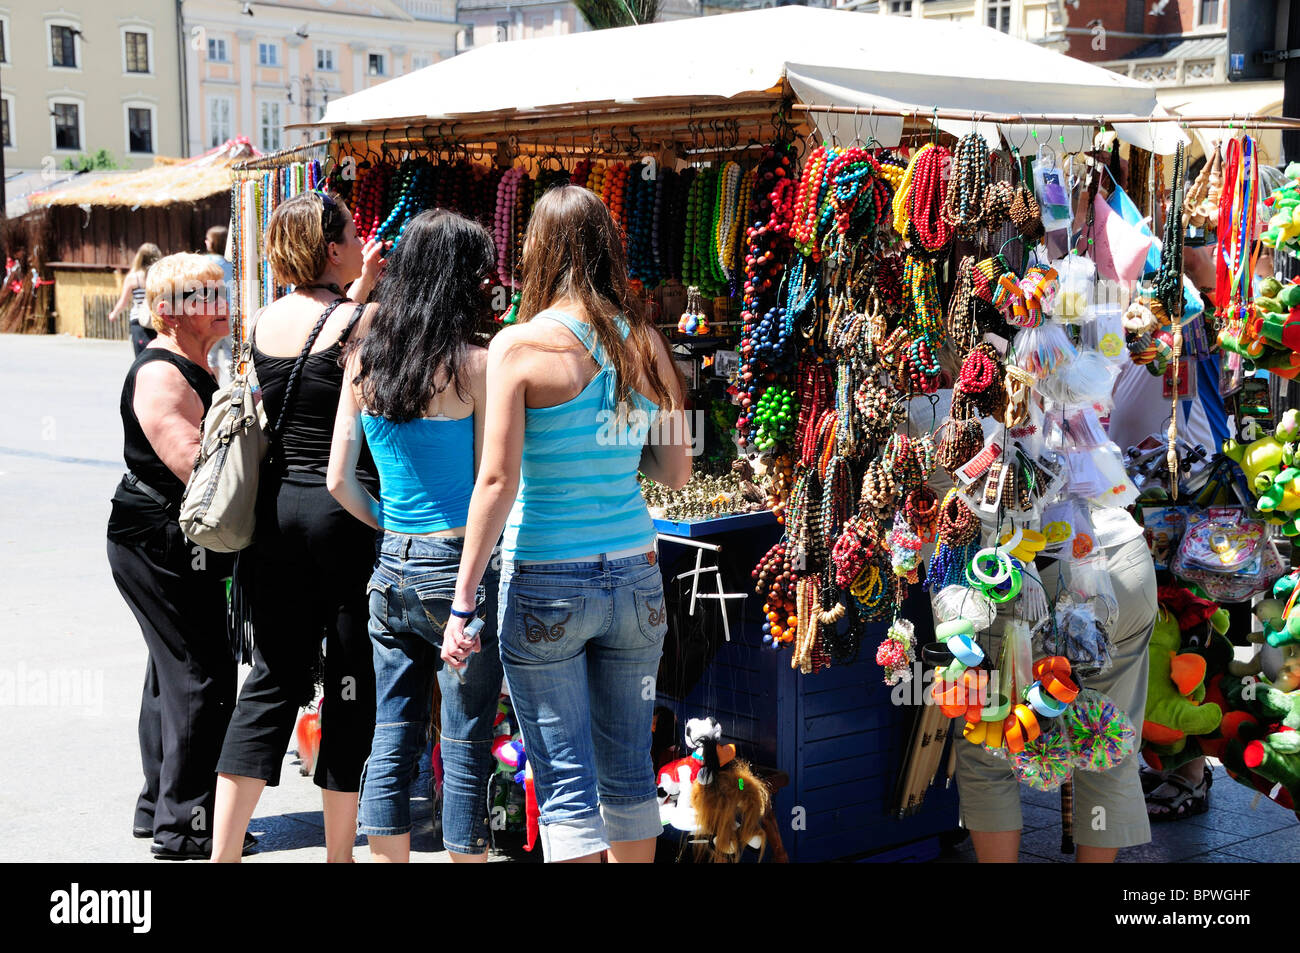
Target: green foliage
(603,14)
(101,161)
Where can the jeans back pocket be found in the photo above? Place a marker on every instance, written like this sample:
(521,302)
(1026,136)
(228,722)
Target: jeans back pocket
(651,611)
(546,628)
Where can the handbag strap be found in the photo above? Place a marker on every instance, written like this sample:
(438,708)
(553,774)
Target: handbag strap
(291,387)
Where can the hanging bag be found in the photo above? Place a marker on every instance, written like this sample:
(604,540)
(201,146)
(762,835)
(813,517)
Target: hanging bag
(218,509)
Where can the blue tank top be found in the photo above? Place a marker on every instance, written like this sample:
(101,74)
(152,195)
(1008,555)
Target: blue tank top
(578,491)
(426,471)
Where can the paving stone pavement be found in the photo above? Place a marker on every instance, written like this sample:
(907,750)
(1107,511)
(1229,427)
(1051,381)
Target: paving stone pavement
(72,660)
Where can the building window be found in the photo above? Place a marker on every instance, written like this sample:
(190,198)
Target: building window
(6,135)
(268,54)
(420,61)
(324,59)
(469,35)
(503,31)
(219,121)
(67,125)
(999,15)
(1209,13)
(4,39)
(63,46)
(217,50)
(270,127)
(137,52)
(377,67)
(903,7)
(139,129)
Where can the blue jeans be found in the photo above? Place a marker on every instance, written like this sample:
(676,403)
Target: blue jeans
(580,643)
(410,601)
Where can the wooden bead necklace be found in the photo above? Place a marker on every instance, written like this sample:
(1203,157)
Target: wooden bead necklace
(926,198)
(963,208)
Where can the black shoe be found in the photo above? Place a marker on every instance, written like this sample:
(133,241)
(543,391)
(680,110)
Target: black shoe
(191,849)
(142,832)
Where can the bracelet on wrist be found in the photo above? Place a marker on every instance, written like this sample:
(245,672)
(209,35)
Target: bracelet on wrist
(463,614)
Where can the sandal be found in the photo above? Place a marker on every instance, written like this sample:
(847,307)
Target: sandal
(1176,798)
(1151,779)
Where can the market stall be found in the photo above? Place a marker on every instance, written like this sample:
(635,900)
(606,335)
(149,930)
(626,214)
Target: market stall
(92,225)
(854,231)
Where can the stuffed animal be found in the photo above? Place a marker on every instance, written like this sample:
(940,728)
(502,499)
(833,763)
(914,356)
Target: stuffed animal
(1175,687)
(1268,465)
(1280,627)
(1262,738)
(729,801)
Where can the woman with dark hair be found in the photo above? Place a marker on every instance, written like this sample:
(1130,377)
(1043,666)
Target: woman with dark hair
(310,560)
(418,392)
(582,394)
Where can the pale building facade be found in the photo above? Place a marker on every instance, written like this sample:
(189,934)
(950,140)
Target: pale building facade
(252,75)
(1038,21)
(78,76)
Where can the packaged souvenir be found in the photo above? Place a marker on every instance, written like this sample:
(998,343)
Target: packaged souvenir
(1077,275)
(1163,527)
(1227,555)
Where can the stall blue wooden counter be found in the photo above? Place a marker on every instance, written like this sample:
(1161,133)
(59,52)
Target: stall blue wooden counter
(838,735)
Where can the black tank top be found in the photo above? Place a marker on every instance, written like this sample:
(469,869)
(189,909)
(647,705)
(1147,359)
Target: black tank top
(136,513)
(139,453)
(309,428)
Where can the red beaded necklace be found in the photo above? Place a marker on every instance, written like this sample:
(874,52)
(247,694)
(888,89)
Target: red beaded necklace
(926,199)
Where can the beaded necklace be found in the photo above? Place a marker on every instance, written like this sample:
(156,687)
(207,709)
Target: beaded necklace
(903,193)
(503,228)
(964,206)
(808,200)
(724,218)
(958,539)
(927,225)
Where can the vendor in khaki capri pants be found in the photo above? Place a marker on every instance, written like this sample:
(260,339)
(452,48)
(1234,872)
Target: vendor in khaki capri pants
(1109,811)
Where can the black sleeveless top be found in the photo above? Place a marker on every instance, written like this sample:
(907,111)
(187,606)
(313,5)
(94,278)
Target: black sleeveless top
(309,428)
(136,512)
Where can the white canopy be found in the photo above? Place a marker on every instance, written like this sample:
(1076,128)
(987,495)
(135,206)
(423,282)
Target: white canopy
(829,57)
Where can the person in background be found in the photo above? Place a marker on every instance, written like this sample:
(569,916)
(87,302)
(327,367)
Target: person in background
(176,590)
(417,387)
(222,354)
(574,390)
(133,297)
(311,559)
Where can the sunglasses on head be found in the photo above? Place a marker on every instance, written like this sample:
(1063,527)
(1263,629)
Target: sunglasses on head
(332,220)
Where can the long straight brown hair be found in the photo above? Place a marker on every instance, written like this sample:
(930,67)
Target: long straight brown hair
(572,249)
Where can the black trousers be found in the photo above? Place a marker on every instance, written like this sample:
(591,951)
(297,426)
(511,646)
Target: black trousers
(141,336)
(177,592)
(311,563)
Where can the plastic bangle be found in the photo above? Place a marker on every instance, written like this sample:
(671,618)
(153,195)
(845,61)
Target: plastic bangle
(1064,690)
(1044,704)
(461,614)
(997,709)
(1002,560)
(998,594)
(951,672)
(966,650)
(1021,726)
(946,630)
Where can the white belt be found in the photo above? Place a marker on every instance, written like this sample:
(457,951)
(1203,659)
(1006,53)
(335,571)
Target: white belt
(595,558)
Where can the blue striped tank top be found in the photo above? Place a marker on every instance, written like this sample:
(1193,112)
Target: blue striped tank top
(578,490)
